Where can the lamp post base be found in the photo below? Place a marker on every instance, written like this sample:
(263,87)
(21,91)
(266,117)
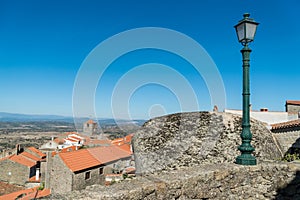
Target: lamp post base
(245,159)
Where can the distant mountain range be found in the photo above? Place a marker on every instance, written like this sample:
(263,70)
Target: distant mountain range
(15,117)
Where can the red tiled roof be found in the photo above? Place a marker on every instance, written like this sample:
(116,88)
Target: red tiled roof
(37,194)
(41,154)
(293,102)
(22,160)
(107,154)
(59,140)
(98,142)
(117,141)
(53,153)
(5,158)
(68,149)
(75,137)
(130,170)
(289,124)
(72,140)
(87,158)
(125,147)
(90,122)
(31,193)
(6,188)
(30,156)
(79,160)
(126,139)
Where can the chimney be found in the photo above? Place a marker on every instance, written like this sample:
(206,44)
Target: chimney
(49,161)
(264,110)
(37,174)
(18,149)
(215,108)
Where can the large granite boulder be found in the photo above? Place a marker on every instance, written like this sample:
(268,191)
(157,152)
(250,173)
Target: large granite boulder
(190,139)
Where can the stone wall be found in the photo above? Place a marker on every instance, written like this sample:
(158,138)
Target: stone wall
(191,139)
(288,140)
(80,182)
(61,177)
(211,181)
(293,108)
(19,174)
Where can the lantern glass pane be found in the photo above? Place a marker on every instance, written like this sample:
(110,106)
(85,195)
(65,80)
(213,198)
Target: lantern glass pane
(240,30)
(250,31)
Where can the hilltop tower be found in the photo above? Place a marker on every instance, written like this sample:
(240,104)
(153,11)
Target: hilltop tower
(90,127)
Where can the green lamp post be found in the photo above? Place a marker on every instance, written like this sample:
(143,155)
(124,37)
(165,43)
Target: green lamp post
(245,30)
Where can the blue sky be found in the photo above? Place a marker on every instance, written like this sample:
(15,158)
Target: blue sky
(43,44)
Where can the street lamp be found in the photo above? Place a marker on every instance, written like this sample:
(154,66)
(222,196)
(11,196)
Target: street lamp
(245,30)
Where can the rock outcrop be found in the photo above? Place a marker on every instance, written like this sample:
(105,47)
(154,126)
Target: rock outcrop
(267,180)
(190,139)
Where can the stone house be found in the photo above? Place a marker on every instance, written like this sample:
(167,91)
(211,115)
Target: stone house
(49,146)
(77,169)
(288,135)
(22,167)
(292,106)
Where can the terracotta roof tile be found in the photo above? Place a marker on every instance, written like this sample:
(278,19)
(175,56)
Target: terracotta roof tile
(130,170)
(68,149)
(289,124)
(31,193)
(14,195)
(71,140)
(22,160)
(53,153)
(6,188)
(41,154)
(59,140)
(120,141)
(90,122)
(75,137)
(79,160)
(128,138)
(98,142)
(30,156)
(107,154)
(37,194)
(293,102)
(125,147)
(5,158)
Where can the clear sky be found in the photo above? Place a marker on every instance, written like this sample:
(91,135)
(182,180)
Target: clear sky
(43,45)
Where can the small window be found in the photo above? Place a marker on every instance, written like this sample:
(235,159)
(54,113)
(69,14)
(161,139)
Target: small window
(101,170)
(87,175)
